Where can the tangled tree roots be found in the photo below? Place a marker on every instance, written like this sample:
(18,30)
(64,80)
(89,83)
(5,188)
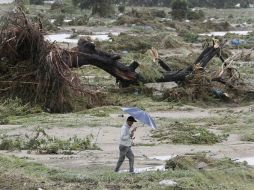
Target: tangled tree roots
(32,68)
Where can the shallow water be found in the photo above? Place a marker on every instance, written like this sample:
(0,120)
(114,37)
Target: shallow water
(61,38)
(225,32)
(163,158)
(6,1)
(249,160)
(101,36)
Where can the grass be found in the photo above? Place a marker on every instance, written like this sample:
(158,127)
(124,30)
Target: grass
(222,174)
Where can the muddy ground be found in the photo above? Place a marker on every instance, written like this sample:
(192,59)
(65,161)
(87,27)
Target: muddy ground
(148,151)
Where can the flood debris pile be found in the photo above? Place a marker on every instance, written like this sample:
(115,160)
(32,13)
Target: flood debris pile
(200,161)
(33,69)
(182,133)
(221,79)
(208,172)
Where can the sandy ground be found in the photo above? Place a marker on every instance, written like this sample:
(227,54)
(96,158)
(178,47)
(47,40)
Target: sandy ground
(107,139)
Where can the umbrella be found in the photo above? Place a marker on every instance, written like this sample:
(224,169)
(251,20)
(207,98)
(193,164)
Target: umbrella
(140,115)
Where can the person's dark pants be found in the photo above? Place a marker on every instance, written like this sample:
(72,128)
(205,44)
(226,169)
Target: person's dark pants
(125,151)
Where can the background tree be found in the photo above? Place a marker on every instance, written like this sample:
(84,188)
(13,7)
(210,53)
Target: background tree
(191,3)
(179,9)
(103,8)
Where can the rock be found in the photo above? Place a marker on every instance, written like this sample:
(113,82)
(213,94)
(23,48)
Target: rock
(161,86)
(201,165)
(168,182)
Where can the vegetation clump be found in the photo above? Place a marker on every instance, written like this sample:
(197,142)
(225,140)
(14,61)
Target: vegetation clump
(248,137)
(41,142)
(199,161)
(181,133)
(189,36)
(140,43)
(126,42)
(15,107)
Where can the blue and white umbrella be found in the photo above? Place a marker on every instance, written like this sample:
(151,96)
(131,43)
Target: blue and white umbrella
(140,115)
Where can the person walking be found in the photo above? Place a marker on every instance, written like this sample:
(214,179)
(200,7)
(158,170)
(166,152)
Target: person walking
(125,144)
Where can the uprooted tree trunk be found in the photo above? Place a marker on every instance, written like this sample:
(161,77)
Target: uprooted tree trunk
(87,54)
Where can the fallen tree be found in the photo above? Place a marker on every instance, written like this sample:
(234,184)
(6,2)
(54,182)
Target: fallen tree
(38,71)
(87,54)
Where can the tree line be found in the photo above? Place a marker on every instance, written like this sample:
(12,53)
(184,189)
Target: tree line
(191,3)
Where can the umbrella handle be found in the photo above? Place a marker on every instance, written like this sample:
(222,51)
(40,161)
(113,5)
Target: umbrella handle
(132,131)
